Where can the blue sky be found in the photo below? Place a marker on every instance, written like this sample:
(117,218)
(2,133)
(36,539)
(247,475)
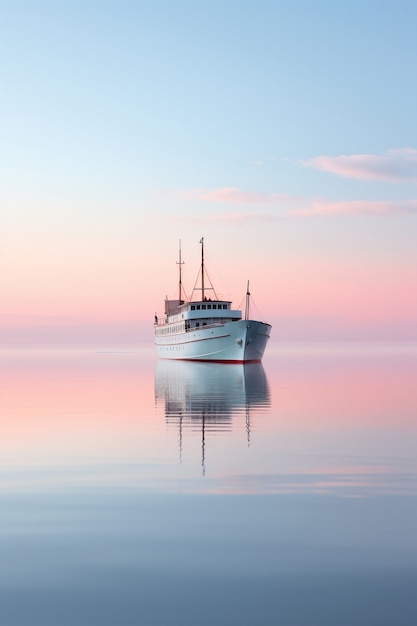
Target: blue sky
(175,88)
(126,125)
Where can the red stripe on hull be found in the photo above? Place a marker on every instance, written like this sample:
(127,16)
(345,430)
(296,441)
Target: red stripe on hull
(226,361)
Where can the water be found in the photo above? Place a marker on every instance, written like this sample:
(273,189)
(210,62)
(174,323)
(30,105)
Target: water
(137,492)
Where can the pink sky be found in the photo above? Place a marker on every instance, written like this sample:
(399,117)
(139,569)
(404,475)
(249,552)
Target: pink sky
(310,290)
(320,267)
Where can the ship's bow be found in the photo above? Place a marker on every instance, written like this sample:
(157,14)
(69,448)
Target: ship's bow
(256,338)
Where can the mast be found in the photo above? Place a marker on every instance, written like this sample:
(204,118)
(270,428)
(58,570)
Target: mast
(202,267)
(247,302)
(180,264)
(204,275)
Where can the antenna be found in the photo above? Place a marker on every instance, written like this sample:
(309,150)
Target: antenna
(202,267)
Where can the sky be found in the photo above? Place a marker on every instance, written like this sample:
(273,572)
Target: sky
(283,132)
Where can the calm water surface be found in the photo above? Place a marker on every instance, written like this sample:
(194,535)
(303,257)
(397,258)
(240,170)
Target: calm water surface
(137,492)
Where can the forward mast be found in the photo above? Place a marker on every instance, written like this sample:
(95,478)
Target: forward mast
(203,273)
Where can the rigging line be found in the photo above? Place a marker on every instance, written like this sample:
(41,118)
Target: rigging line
(202,274)
(209,279)
(220,278)
(257,311)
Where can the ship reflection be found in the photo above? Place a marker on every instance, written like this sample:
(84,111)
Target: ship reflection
(208,397)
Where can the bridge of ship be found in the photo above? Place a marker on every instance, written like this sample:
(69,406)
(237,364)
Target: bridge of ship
(199,313)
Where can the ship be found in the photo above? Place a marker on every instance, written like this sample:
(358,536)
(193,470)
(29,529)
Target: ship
(206,328)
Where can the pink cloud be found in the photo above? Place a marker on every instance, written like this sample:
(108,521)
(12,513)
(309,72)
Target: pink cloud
(243,217)
(234,217)
(398,165)
(236,196)
(296,206)
(357,207)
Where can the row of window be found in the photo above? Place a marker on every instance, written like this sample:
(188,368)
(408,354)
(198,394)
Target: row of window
(197,307)
(169,330)
(188,325)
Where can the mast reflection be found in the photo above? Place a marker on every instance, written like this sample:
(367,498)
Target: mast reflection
(208,397)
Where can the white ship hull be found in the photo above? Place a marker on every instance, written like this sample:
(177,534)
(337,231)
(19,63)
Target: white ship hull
(240,341)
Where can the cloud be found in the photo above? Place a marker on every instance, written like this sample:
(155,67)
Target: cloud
(394,166)
(231,216)
(243,217)
(279,203)
(295,206)
(236,196)
(357,207)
